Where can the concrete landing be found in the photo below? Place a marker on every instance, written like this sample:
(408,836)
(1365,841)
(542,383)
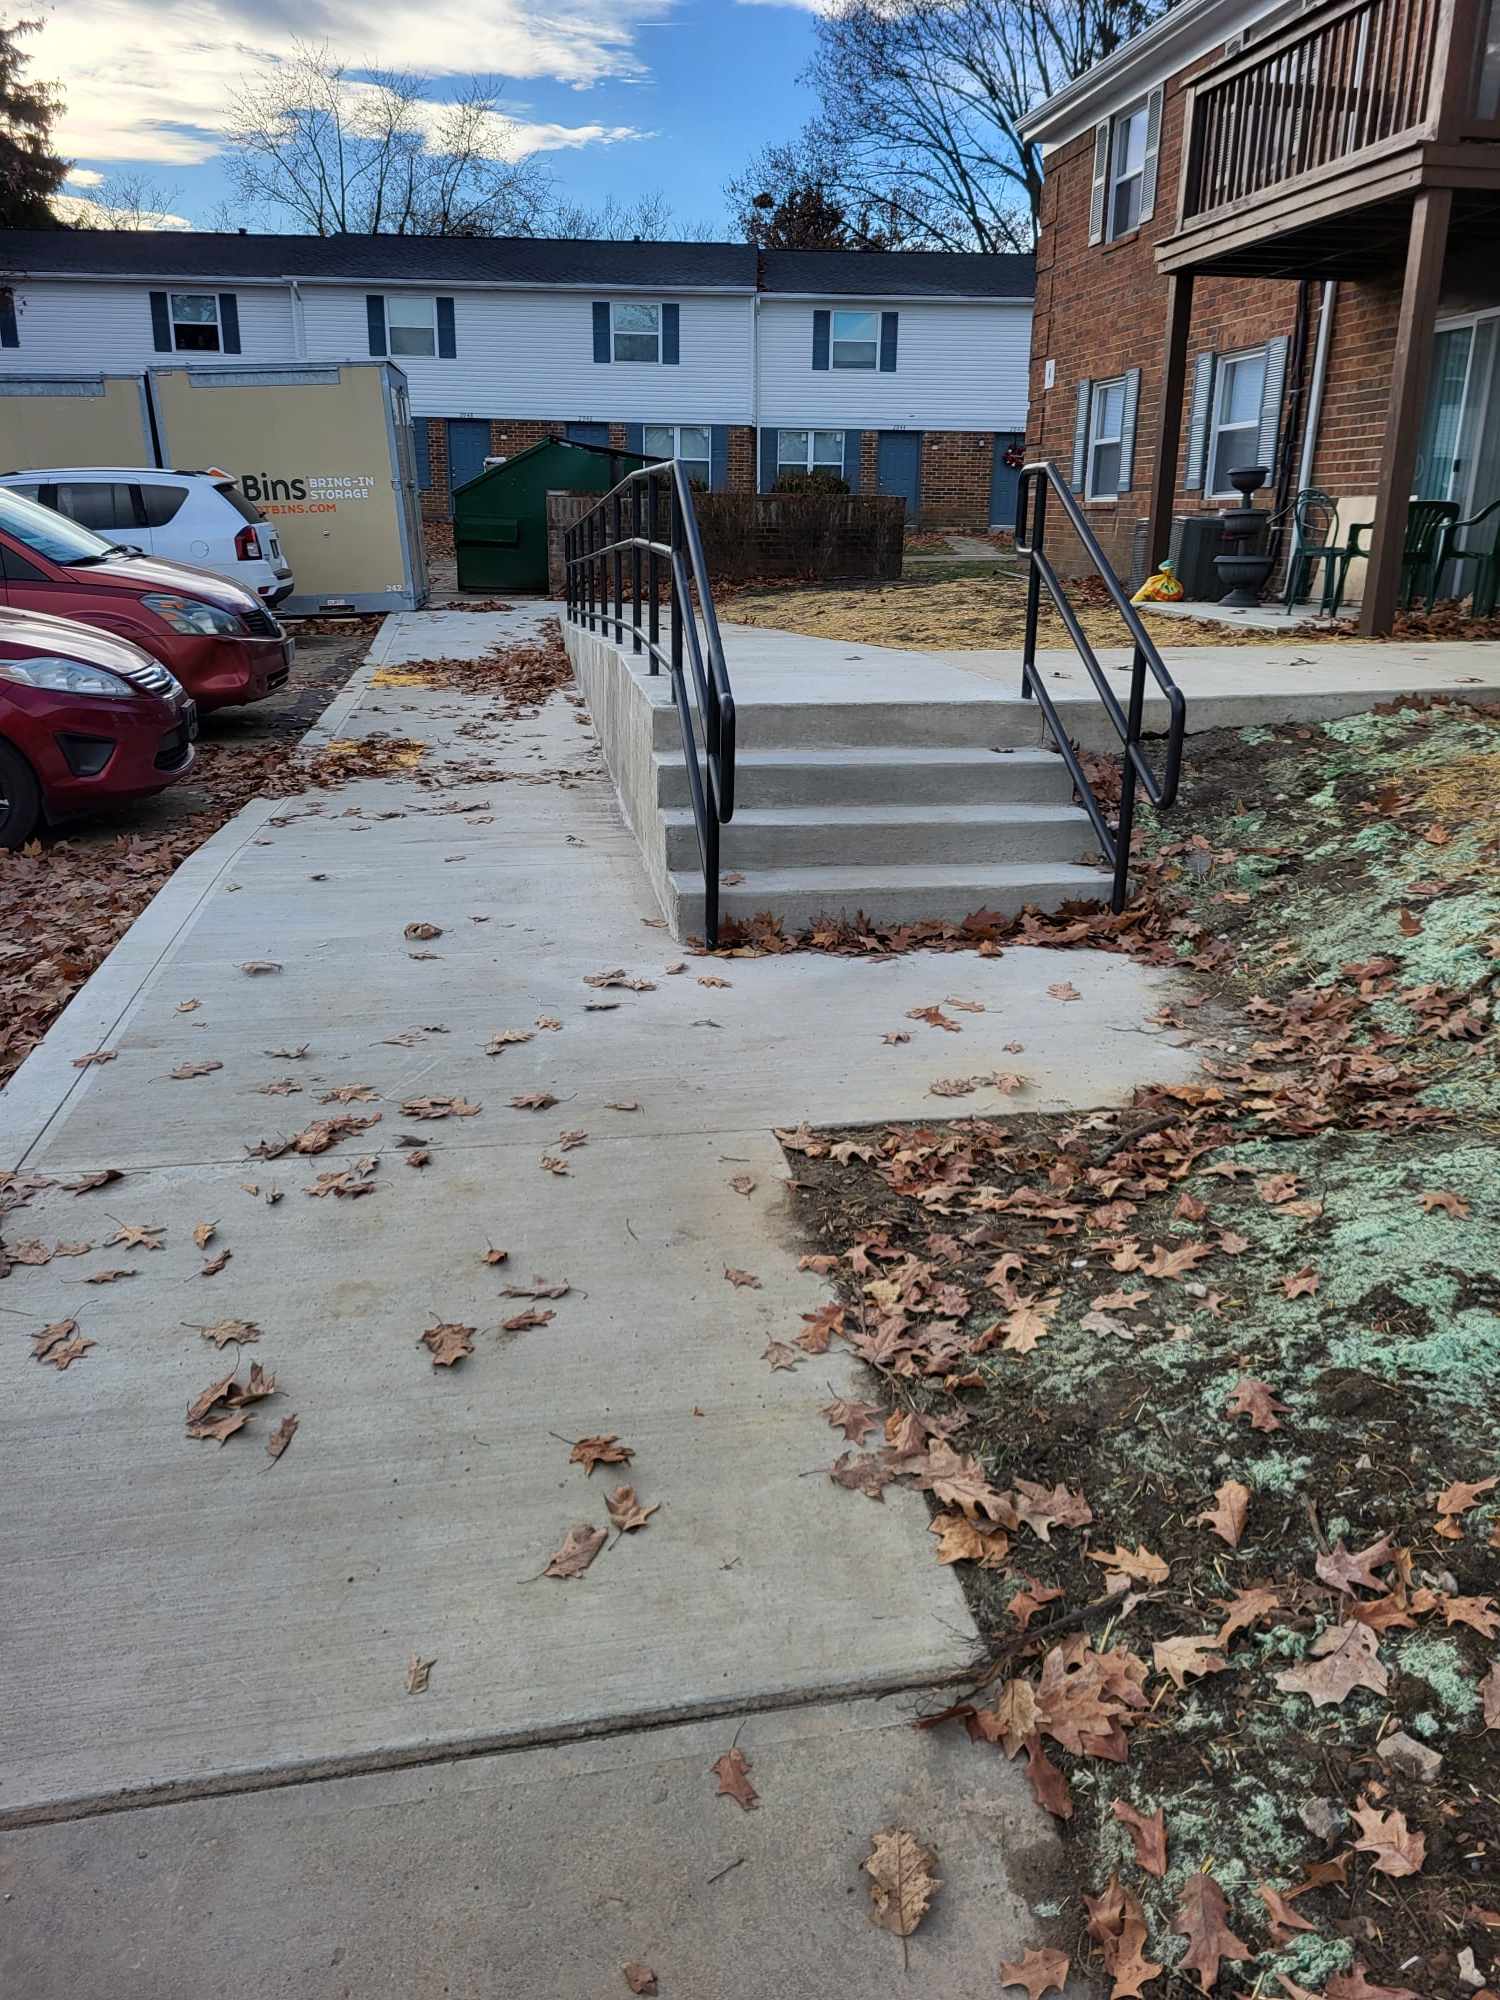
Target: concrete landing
(546,1873)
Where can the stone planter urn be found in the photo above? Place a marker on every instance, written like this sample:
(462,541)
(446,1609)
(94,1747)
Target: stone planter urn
(1244,568)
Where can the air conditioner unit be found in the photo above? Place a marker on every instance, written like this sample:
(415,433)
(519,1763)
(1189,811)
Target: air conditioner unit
(1196,540)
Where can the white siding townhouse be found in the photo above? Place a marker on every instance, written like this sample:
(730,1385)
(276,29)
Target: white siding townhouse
(903,370)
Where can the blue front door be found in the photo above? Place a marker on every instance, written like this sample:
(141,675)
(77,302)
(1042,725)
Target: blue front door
(468,448)
(587,433)
(1004,480)
(898,467)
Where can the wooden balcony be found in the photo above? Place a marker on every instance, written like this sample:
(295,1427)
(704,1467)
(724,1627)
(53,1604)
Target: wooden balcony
(1302,154)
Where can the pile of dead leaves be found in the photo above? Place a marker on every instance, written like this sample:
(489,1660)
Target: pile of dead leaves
(518,677)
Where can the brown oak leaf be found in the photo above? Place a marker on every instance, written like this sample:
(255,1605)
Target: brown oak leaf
(1142,1566)
(902,1884)
(1149,1834)
(1397,1850)
(1347,1572)
(868,1472)
(1342,1658)
(1257,1401)
(419,1673)
(448,1343)
(185,1070)
(1229,1512)
(640,1978)
(281,1437)
(855,1419)
(742,1280)
(1186,1657)
(733,1773)
(1039,1972)
(600,1450)
(1201,1919)
(580,1545)
(626,1512)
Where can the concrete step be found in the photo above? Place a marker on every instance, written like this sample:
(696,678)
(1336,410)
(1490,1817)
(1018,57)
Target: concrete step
(880,775)
(889,837)
(995,721)
(891,895)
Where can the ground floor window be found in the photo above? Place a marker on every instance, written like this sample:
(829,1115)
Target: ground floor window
(810,451)
(1106,433)
(689,442)
(1234,437)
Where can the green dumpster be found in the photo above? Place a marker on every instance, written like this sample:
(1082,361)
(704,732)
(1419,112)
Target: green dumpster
(500,518)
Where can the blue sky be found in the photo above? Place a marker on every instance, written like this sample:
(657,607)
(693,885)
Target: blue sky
(618,95)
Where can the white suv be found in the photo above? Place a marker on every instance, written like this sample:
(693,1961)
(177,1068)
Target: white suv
(190,517)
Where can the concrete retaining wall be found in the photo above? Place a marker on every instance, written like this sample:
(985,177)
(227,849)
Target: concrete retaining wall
(625,706)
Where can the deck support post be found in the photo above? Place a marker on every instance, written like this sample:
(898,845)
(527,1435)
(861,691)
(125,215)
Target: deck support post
(1411,370)
(1169,416)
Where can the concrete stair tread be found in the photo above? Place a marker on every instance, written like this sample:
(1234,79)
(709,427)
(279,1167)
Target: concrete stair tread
(1004,812)
(939,874)
(894,755)
(892,894)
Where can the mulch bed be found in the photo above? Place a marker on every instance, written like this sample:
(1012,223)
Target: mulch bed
(1205,1394)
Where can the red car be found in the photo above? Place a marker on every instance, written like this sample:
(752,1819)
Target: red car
(217,639)
(85,719)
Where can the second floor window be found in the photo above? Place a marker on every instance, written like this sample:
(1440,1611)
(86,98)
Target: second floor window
(636,331)
(1127,170)
(689,442)
(856,339)
(411,324)
(195,322)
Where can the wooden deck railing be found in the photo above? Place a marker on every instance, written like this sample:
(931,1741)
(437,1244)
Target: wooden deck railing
(1349,77)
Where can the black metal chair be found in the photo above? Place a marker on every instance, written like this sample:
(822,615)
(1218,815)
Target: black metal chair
(1487,575)
(1315,531)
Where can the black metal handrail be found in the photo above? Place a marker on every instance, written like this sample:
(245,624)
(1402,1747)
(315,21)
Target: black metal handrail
(1043,476)
(595,550)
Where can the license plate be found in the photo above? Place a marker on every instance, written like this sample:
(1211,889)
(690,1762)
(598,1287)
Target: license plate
(190,720)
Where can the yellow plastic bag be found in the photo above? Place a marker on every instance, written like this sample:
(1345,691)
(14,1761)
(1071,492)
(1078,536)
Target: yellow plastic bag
(1161,587)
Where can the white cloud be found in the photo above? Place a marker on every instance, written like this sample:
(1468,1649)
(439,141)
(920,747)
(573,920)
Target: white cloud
(78,208)
(84,177)
(147,80)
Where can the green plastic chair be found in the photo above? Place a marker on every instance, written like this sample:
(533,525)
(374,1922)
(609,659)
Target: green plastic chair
(1315,539)
(1425,521)
(1486,586)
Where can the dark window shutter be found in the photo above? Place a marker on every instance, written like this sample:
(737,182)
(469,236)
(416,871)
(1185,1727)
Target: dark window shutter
(888,324)
(601,330)
(1198,420)
(1127,428)
(1270,403)
(1081,434)
(669,333)
(10,334)
(1100,185)
(421,453)
(1153,154)
(767,460)
(161,324)
(447,337)
(718,458)
(635,438)
(375,319)
(229,322)
(853,444)
(822,324)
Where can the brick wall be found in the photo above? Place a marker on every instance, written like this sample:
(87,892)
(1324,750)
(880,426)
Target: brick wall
(1101,309)
(956,471)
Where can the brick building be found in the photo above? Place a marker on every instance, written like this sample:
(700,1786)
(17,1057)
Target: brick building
(1289,211)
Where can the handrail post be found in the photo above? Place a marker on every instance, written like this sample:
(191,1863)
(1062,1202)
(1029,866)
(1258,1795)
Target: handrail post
(635,564)
(674,538)
(653,569)
(618,565)
(1125,828)
(1036,544)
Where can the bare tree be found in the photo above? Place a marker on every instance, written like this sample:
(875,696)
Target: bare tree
(124,201)
(344,156)
(921,100)
(644,218)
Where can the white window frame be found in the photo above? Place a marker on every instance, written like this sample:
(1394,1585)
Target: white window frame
(836,340)
(810,462)
(1098,391)
(704,458)
(427,299)
(1117,176)
(634,332)
(1217,427)
(216,322)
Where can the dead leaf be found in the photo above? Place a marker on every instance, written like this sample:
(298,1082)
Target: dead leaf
(1342,1658)
(93,1057)
(550,1163)
(712,979)
(1455,1501)
(1396,1849)
(743,1183)
(602,1450)
(1229,1513)
(934,1017)
(260,965)
(281,1437)
(507,1038)
(136,1236)
(1446,1200)
(962,1540)
(1048,1785)
(902,1884)
(580,1545)
(108,1277)
(619,977)
(1356,1986)
(215,1264)
(222,1408)
(184,1070)
(898,1037)
(626,1512)
(1489,1694)
(1478,1613)
(779,1354)
(203,1233)
(1284,1919)
(1149,1835)
(855,1419)
(1201,1920)
(744,1280)
(1186,1657)
(448,1343)
(640,1978)
(732,1771)
(1302,1284)
(1064,990)
(1348,1572)
(350,1093)
(1039,1972)
(494,1256)
(439,1107)
(533,1100)
(422,933)
(1142,1566)
(419,1673)
(519,1322)
(1257,1401)
(225,1330)
(624,1104)
(100,1177)
(188,1006)
(58,1346)
(867,1472)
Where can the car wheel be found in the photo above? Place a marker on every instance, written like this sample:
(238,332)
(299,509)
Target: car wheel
(20,798)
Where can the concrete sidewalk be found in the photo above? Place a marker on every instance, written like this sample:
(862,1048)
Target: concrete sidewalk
(193,1627)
